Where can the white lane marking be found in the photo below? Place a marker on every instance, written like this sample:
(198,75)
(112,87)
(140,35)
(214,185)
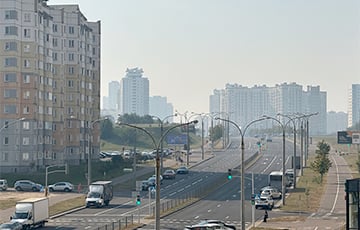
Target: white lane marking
(209,210)
(269,165)
(196,217)
(338,185)
(171,194)
(108,210)
(219,205)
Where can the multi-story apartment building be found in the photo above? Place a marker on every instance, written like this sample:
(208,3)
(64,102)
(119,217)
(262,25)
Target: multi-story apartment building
(243,104)
(354,105)
(50,76)
(134,93)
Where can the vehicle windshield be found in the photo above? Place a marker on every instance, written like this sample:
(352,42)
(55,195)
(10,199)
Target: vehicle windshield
(94,195)
(20,215)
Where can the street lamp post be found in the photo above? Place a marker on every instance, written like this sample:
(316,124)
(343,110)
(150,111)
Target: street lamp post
(89,154)
(242,134)
(157,147)
(283,127)
(161,121)
(201,115)
(294,160)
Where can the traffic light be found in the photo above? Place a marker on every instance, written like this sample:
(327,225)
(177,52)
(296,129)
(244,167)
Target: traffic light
(229,174)
(138,200)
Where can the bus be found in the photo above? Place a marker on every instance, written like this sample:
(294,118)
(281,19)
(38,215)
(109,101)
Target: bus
(275,180)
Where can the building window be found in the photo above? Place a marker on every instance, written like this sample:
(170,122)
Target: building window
(26,95)
(26,110)
(25,156)
(71,56)
(27,33)
(6,140)
(4,157)
(10,46)
(11,30)
(55,42)
(71,43)
(10,109)
(55,56)
(71,83)
(10,77)
(26,125)
(71,30)
(26,141)
(26,78)
(27,63)
(55,27)
(71,70)
(26,48)
(10,62)
(27,17)
(11,14)
(10,93)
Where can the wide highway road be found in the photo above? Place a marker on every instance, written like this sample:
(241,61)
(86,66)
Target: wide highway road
(223,204)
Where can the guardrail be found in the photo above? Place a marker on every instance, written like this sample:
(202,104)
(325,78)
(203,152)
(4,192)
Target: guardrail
(122,223)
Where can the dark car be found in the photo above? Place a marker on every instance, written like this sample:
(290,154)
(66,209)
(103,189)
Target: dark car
(182,170)
(169,174)
(27,185)
(11,226)
(145,185)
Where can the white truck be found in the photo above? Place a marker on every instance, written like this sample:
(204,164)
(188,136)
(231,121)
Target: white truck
(100,194)
(31,212)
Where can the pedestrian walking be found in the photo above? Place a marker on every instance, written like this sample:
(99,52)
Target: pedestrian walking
(79,188)
(266,216)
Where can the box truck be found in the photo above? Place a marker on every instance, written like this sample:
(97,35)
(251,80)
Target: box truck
(100,194)
(31,212)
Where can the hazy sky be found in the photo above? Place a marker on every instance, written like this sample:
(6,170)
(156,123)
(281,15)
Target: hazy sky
(188,48)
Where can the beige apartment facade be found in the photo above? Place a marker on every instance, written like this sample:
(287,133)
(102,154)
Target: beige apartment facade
(49,85)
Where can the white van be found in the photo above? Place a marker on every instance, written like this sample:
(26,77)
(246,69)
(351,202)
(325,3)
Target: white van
(3,184)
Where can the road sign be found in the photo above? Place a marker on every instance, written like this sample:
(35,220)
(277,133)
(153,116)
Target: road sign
(344,137)
(176,139)
(356,138)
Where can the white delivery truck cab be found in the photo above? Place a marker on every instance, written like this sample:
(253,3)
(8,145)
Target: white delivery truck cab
(31,212)
(100,194)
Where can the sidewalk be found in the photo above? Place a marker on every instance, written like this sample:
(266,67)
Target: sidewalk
(54,198)
(331,213)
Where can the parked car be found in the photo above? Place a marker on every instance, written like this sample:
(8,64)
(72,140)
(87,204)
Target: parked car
(182,170)
(273,192)
(169,174)
(11,226)
(27,185)
(61,187)
(3,184)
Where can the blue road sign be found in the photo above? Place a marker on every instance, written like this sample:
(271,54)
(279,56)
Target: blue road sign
(176,139)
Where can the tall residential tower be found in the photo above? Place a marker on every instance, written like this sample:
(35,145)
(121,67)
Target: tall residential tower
(49,75)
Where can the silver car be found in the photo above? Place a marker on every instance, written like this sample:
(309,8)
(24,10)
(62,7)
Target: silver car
(27,185)
(11,226)
(61,187)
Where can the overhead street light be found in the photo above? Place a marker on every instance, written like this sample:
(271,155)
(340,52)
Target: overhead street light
(161,121)
(89,142)
(157,147)
(294,160)
(242,134)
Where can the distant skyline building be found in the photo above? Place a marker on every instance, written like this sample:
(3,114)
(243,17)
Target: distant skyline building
(114,96)
(336,121)
(159,107)
(243,104)
(354,105)
(134,93)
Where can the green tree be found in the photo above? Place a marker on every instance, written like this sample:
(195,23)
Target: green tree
(106,129)
(216,132)
(322,163)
